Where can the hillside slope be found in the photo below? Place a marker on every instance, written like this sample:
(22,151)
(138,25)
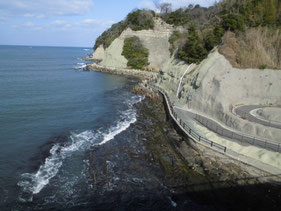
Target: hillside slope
(155,40)
(217,88)
(217,81)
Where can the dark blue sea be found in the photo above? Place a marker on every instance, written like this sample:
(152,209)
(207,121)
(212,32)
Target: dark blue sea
(51,114)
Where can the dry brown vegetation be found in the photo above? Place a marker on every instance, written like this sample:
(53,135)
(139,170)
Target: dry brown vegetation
(254,48)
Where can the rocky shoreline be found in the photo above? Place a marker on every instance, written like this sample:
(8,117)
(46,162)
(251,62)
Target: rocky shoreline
(152,166)
(145,75)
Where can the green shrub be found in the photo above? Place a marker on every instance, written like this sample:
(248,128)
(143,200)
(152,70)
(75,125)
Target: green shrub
(210,41)
(213,38)
(193,50)
(109,35)
(175,36)
(178,18)
(263,66)
(138,20)
(255,12)
(233,22)
(135,53)
(172,40)
(141,20)
(218,31)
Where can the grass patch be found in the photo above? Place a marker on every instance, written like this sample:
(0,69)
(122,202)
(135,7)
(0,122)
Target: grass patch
(258,47)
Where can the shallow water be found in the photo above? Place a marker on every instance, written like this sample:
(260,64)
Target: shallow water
(51,114)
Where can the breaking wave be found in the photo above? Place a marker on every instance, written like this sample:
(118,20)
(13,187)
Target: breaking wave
(33,183)
(80,66)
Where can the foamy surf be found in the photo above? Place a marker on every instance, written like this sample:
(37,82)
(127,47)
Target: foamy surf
(80,66)
(33,183)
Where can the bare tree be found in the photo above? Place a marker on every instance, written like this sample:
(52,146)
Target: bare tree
(165,8)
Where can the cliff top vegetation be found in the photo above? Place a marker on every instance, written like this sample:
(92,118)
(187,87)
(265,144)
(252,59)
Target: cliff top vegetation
(206,28)
(136,20)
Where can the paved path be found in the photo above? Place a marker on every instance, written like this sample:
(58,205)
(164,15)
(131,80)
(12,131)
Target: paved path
(244,112)
(186,123)
(225,132)
(188,118)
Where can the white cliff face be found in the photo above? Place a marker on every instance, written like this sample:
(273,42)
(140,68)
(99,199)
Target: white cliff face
(98,55)
(217,87)
(156,41)
(113,55)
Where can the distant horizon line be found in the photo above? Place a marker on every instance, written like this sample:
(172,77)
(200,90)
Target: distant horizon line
(59,46)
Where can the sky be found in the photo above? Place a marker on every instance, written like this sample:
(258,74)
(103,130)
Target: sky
(68,22)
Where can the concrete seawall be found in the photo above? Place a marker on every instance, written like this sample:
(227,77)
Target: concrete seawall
(202,144)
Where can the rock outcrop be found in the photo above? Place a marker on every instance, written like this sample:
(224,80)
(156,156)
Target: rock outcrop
(156,41)
(98,55)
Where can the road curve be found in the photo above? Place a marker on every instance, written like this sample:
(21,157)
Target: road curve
(245,113)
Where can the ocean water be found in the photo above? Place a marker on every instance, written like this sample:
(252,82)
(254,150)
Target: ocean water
(51,114)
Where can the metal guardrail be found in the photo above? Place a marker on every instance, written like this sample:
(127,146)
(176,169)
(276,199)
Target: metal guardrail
(241,138)
(219,130)
(186,128)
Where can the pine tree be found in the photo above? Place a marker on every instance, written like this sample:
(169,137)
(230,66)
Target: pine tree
(193,51)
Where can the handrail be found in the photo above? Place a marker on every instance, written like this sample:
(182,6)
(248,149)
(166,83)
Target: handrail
(242,138)
(266,144)
(185,126)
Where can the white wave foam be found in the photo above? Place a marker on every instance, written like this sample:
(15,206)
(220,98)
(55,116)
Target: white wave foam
(33,183)
(86,49)
(80,66)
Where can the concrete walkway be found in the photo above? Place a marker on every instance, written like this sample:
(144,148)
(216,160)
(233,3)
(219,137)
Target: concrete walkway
(226,132)
(243,139)
(187,124)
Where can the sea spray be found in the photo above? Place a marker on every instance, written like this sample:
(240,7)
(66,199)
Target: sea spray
(33,183)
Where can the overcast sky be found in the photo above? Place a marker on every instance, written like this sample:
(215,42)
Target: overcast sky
(67,22)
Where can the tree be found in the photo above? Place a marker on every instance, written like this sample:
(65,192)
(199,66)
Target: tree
(233,22)
(270,13)
(165,8)
(140,19)
(178,17)
(190,6)
(193,50)
(218,31)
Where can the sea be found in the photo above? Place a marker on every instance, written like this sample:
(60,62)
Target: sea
(51,114)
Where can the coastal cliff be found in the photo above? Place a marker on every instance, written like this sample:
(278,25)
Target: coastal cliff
(203,67)
(217,88)
(156,40)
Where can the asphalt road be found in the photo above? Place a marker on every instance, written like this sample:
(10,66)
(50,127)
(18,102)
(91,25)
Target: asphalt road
(244,112)
(215,127)
(187,116)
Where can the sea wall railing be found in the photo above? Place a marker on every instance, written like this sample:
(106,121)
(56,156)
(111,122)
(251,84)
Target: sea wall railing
(214,127)
(185,127)
(239,137)
(248,116)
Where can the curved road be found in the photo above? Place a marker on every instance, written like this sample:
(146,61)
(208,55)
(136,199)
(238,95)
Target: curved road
(225,132)
(244,112)
(186,116)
